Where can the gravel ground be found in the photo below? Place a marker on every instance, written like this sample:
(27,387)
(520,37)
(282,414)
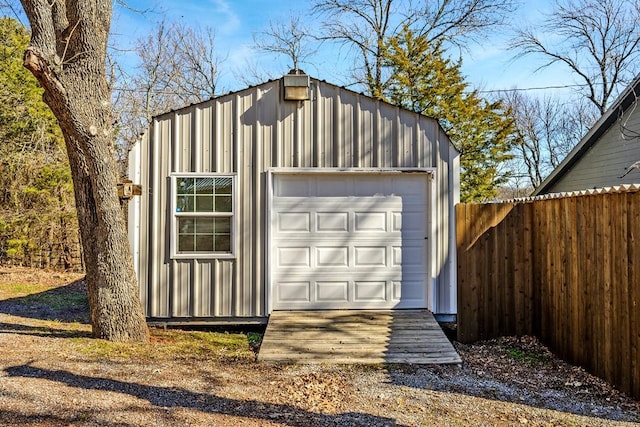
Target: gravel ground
(52,374)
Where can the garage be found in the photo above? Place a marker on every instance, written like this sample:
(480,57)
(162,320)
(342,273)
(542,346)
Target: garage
(315,198)
(350,240)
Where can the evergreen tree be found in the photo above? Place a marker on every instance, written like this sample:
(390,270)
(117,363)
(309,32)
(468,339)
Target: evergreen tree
(38,225)
(425,81)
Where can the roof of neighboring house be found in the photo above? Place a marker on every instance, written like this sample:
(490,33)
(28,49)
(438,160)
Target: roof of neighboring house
(624,101)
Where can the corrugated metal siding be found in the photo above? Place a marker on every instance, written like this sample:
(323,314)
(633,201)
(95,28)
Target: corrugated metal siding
(247,133)
(606,161)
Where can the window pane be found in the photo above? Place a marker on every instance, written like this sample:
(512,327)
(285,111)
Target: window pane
(208,203)
(204,204)
(204,226)
(204,185)
(186,225)
(223,243)
(204,243)
(223,225)
(184,204)
(185,185)
(185,243)
(223,204)
(223,185)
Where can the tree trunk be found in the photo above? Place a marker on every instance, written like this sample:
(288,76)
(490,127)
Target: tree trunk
(67,56)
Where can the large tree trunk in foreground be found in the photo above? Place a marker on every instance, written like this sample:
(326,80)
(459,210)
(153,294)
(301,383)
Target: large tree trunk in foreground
(67,56)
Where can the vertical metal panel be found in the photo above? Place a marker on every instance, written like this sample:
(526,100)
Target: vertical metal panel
(181,280)
(347,119)
(366,131)
(324,121)
(203,140)
(388,136)
(446,196)
(138,220)
(249,132)
(161,160)
(406,129)
(246,121)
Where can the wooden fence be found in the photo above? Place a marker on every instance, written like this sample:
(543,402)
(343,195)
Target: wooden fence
(566,270)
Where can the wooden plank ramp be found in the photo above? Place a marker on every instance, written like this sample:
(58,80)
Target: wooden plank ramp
(356,337)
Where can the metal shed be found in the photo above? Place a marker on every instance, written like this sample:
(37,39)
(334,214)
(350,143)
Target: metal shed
(293,194)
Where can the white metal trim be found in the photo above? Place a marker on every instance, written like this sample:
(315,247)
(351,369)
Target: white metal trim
(267,244)
(336,171)
(429,216)
(135,167)
(432,291)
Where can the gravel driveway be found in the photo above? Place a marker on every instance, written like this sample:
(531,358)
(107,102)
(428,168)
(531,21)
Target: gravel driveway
(53,374)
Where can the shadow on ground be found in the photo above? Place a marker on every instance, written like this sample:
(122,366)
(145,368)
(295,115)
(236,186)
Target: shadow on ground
(39,331)
(164,397)
(67,303)
(531,386)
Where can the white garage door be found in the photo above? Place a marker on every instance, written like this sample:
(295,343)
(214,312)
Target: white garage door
(349,241)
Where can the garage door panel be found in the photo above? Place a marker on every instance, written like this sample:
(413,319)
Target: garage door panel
(332,256)
(336,291)
(292,186)
(332,186)
(293,222)
(332,221)
(409,290)
(370,291)
(411,224)
(370,256)
(409,256)
(289,292)
(355,242)
(370,221)
(293,257)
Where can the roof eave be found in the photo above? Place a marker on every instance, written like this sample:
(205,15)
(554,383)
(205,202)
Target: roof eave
(626,99)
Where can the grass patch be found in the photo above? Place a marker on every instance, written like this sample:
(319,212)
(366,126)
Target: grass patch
(59,300)
(255,340)
(523,355)
(170,344)
(17,290)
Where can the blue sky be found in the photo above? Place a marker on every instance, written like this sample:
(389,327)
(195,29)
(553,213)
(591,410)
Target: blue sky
(487,66)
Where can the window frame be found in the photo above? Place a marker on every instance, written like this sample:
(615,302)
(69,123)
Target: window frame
(173,231)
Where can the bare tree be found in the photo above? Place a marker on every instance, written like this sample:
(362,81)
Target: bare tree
(252,73)
(597,40)
(365,25)
(66,54)
(178,66)
(195,63)
(549,129)
(292,39)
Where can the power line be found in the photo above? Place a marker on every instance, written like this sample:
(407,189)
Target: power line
(526,89)
(13,10)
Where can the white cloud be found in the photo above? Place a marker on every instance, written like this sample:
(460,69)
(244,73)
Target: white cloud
(226,19)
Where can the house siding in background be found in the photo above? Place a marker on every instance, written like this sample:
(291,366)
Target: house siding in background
(602,157)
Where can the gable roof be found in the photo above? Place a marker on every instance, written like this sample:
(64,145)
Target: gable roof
(624,101)
(324,82)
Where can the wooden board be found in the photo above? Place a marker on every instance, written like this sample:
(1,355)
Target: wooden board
(356,336)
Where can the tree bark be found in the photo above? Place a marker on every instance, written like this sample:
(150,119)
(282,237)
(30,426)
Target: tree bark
(67,55)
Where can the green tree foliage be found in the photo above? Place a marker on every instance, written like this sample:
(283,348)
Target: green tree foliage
(37,216)
(425,81)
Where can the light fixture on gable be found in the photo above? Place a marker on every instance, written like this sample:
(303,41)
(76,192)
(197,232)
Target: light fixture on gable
(296,86)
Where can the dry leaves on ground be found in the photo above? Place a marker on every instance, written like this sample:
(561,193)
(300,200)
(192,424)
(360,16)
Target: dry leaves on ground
(53,374)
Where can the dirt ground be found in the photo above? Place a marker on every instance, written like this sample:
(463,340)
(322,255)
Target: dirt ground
(52,373)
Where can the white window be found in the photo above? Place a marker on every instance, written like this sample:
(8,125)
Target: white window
(203,209)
